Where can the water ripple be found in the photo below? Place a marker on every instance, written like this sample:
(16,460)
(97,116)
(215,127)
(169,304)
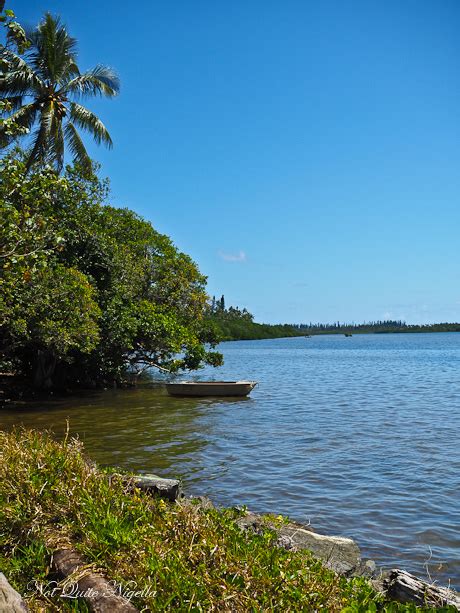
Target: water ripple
(357,435)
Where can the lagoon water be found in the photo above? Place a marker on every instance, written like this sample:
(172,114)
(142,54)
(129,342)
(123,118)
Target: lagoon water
(359,436)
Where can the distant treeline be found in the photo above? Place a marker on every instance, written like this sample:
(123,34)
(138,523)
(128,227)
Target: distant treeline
(386,326)
(234,324)
(238,324)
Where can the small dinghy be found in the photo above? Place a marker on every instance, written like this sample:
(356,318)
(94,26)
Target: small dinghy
(210,388)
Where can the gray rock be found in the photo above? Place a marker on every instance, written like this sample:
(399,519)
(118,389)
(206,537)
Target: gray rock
(203,502)
(339,553)
(170,489)
(367,568)
(10,600)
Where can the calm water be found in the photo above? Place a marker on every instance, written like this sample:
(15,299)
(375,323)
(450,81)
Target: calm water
(359,436)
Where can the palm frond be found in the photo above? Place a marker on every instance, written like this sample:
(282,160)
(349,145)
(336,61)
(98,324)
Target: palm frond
(24,117)
(69,71)
(20,83)
(76,147)
(100,81)
(12,59)
(41,138)
(52,49)
(87,120)
(13,102)
(18,78)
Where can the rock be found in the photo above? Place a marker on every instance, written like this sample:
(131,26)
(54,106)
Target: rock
(366,568)
(169,489)
(200,502)
(339,553)
(379,581)
(371,566)
(404,587)
(10,600)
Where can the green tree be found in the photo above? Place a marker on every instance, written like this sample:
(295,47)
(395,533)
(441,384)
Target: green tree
(47,310)
(134,300)
(17,41)
(40,85)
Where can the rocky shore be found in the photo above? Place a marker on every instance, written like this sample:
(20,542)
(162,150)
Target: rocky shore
(338,553)
(115,542)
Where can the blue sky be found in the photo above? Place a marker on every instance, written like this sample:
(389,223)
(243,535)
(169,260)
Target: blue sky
(305,154)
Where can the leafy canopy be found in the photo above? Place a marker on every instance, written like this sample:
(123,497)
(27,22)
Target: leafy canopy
(93,288)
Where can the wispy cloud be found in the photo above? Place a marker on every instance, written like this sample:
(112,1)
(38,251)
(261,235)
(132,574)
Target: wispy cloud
(233,257)
(393,315)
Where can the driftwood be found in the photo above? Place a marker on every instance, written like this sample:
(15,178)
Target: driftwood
(404,587)
(10,600)
(100,595)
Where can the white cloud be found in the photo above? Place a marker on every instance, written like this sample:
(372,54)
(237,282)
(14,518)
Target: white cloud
(233,257)
(393,316)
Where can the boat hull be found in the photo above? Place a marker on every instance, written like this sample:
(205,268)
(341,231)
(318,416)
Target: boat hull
(210,388)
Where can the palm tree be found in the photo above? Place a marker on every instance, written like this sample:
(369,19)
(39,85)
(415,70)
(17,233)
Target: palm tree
(39,87)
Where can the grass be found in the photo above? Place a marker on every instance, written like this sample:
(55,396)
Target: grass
(179,556)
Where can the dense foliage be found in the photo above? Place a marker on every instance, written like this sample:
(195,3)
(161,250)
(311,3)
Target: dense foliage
(236,324)
(87,290)
(15,42)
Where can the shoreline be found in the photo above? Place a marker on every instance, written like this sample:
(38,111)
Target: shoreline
(342,554)
(354,332)
(135,541)
(354,528)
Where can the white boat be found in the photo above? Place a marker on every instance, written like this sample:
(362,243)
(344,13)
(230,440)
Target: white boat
(210,388)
